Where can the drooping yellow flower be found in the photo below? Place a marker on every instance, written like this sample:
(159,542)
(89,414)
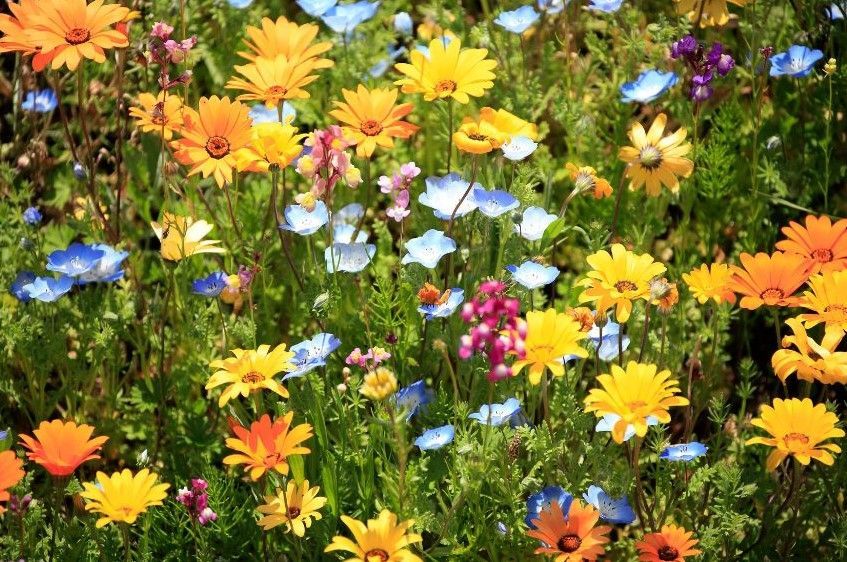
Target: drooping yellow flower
(478,137)
(798,428)
(295,508)
(273,80)
(633,396)
(508,124)
(182,237)
(827,300)
(710,282)
(211,143)
(618,279)
(286,38)
(811,361)
(654,160)
(550,336)
(250,370)
(448,72)
(267,445)
(162,114)
(382,540)
(585,179)
(379,384)
(273,144)
(122,497)
(372,118)
(709,12)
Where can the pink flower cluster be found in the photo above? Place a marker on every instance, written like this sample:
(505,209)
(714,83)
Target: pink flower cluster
(497,329)
(398,187)
(165,51)
(197,501)
(369,360)
(328,162)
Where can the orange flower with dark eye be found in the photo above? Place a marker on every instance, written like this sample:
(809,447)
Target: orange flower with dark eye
(769,280)
(571,537)
(823,244)
(673,544)
(60,447)
(267,445)
(11,472)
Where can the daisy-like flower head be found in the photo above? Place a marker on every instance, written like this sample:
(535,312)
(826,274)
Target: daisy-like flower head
(585,179)
(768,280)
(619,278)
(182,237)
(250,370)
(672,544)
(273,80)
(11,472)
(383,539)
(272,145)
(68,31)
(550,335)
(634,396)
(571,537)
(827,300)
(709,12)
(710,282)
(60,447)
(267,445)
(379,384)
(161,115)
(821,243)
(797,428)
(655,160)
(372,118)
(508,124)
(286,38)
(811,361)
(295,508)
(15,29)
(448,72)
(122,497)
(478,137)
(215,143)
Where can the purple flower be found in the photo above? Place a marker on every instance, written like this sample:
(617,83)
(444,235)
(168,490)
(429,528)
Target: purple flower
(701,90)
(684,47)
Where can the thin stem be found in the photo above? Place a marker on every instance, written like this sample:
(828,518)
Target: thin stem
(449,132)
(231,211)
(644,331)
(278,220)
(618,200)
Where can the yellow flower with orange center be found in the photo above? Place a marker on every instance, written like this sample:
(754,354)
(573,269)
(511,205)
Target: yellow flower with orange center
(162,114)
(383,539)
(798,429)
(122,497)
(11,472)
(295,507)
(571,537)
(708,12)
(585,179)
(827,300)
(267,445)
(286,38)
(550,336)
(249,370)
(60,447)
(182,237)
(672,543)
(273,80)
(811,361)
(372,118)
(710,282)
(821,243)
(655,160)
(769,280)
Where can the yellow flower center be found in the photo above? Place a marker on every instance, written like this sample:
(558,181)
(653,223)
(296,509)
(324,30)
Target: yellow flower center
(252,377)
(445,87)
(795,441)
(217,147)
(376,554)
(771,296)
(650,157)
(157,114)
(668,553)
(276,92)
(77,35)
(624,286)
(569,543)
(822,255)
(371,127)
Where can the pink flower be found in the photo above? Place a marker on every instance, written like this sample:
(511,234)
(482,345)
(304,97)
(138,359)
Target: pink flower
(161,30)
(410,170)
(207,516)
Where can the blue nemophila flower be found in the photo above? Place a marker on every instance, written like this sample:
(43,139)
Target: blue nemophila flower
(551,7)
(409,399)
(540,501)
(684,452)
(502,528)
(310,354)
(260,113)
(428,249)
(316,8)
(531,275)
(240,4)
(303,222)
(107,269)
(608,421)
(797,62)
(834,12)
(497,414)
(444,193)
(495,202)
(608,347)
(518,148)
(79,171)
(4,433)
(612,510)
(23,279)
(445,309)
(40,101)
(352,258)
(436,438)
(75,260)
(348,214)
(211,285)
(649,85)
(403,23)
(535,222)
(517,21)
(344,18)
(344,233)
(605,6)
(48,289)
(32,216)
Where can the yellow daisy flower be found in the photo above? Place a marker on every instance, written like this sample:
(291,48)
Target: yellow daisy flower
(272,144)
(183,236)
(654,160)
(249,370)
(295,508)
(382,540)
(550,336)
(273,80)
(160,114)
(122,497)
(709,12)
(710,282)
(827,300)
(811,360)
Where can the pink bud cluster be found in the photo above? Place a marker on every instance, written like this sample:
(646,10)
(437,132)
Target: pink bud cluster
(328,162)
(496,331)
(369,360)
(398,187)
(166,51)
(197,501)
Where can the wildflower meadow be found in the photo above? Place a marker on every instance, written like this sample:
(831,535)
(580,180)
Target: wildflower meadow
(393,281)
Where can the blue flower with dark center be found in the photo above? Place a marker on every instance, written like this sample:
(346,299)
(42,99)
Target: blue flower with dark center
(531,275)
(107,269)
(40,101)
(497,414)
(299,220)
(411,398)
(428,249)
(535,222)
(538,502)
(211,285)
(445,309)
(48,289)
(612,510)
(517,21)
(443,194)
(75,260)
(352,258)
(649,85)
(684,452)
(32,216)
(311,354)
(23,279)
(495,202)
(797,62)
(436,438)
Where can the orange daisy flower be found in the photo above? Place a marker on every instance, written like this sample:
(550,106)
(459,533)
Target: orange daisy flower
(673,544)
(14,27)
(823,244)
(372,118)
(267,445)
(69,31)
(11,472)
(286,38)
(768,280)
(571,538)
(214,142)
(60,447)
(273,80)
(159,114)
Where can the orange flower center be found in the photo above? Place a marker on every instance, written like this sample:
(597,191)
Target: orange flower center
(668,553)
(371,127)
(445,87)
(217,147)
(635,405)
(377,553)
(771,296)
(273,459)
(276,92)
(77,35)
(650,157)
(794,439)
(836,308)
(822,255)
(293,512)
(157,114)
(569,543)
(252,377)
(624,286)
(125,510)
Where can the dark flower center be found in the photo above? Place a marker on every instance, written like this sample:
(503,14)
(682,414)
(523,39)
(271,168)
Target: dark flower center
(276,91)
(273,459)
(823,255)
(772,295)
(650,157)
(377,553)
(624,286)
(293,512)
(371,127)
(837,308)
(569,543)
(77,35)
(799,438)
(217,147)
(668,553)
(252,377)
(477,137)
(445,87)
